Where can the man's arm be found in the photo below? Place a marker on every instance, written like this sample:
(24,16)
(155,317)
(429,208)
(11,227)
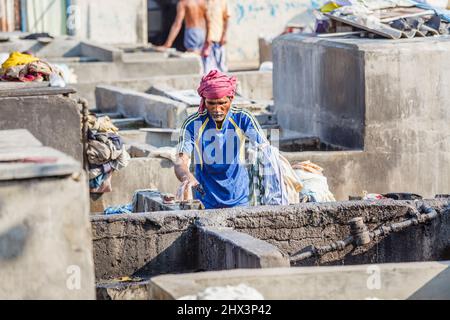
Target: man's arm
(182,169)
(185,176)
(208,42)
(177,24)
(226,16)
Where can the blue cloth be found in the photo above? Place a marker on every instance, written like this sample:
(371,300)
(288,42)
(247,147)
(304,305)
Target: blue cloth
(123,209)
(194,39)
(219,155)
(216,59)
(98,181)
(443,13)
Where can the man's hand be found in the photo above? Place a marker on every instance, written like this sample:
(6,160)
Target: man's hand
(223,40)
(206,51)
(184,192)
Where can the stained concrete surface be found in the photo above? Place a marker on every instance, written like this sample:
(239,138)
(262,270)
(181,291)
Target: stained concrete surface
(141,173)
(52,118)
(167,242)
(252,85)
(45,240)
(380,97)
(400,281)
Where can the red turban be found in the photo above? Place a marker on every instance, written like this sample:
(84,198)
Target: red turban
(216,85)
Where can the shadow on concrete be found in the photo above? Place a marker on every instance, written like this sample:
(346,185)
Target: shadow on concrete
(181,256)
(13,242)
(437,288)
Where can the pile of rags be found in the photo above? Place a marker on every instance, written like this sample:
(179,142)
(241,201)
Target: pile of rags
(25,67)
(315,185)
(272,179)
(105,153)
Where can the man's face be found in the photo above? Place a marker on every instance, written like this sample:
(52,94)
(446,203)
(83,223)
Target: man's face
(218,108)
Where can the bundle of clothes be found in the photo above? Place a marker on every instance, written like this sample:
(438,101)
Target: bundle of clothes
(273,181)
(105,153)
(24,67)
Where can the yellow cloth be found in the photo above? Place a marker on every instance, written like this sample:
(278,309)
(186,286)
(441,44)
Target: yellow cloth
(216,11)
(17,58)
(293,185)
(102,124)
(329,6)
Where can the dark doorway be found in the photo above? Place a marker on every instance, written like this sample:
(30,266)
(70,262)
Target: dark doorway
(161,15)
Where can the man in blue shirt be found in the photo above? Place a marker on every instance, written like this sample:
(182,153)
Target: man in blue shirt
(216,135)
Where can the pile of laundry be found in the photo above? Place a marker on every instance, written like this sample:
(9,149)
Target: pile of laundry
(392,19)
(315,185)
(274,181)
(105,153)
(24,67)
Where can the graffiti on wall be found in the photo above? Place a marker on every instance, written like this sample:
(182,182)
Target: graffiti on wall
(251,9)
(251,19)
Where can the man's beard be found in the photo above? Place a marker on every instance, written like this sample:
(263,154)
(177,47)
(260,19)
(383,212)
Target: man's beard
(218,116)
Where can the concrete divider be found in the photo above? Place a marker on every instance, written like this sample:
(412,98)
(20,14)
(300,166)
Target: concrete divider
(141,173)
(100,52)
(158,111)
(52,118)
(45,234)
(182,75)
(415,281)
(224,248)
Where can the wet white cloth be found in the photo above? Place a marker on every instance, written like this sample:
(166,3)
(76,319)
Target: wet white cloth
(240,292)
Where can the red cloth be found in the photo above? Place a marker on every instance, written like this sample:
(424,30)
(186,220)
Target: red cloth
(216,85)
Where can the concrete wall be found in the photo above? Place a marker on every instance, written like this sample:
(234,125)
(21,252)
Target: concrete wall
(252,85)
(157,111)
(294,228)
(164,242)
(113,22)
(252,18)
(45,239)
(143,245)
(52,119)
(141,173)
(379,96)
(411,281)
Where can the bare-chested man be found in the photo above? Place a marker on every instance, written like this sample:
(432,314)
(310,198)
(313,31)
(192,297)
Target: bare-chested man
(193,12)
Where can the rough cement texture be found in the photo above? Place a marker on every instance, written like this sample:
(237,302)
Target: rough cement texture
(252,84)
(383,97)
(149,243)
(100,52)
(141,173)
(52,119)
(297,227)
(143,245)
(412,281)
(157,111)
(45,240)
(126,21)
(224,248)
(59,47)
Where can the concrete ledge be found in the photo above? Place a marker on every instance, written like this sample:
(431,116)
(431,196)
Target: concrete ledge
(101,52)
(158,111)
(415,281)
(225,248)
(54,120)
(252,84)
